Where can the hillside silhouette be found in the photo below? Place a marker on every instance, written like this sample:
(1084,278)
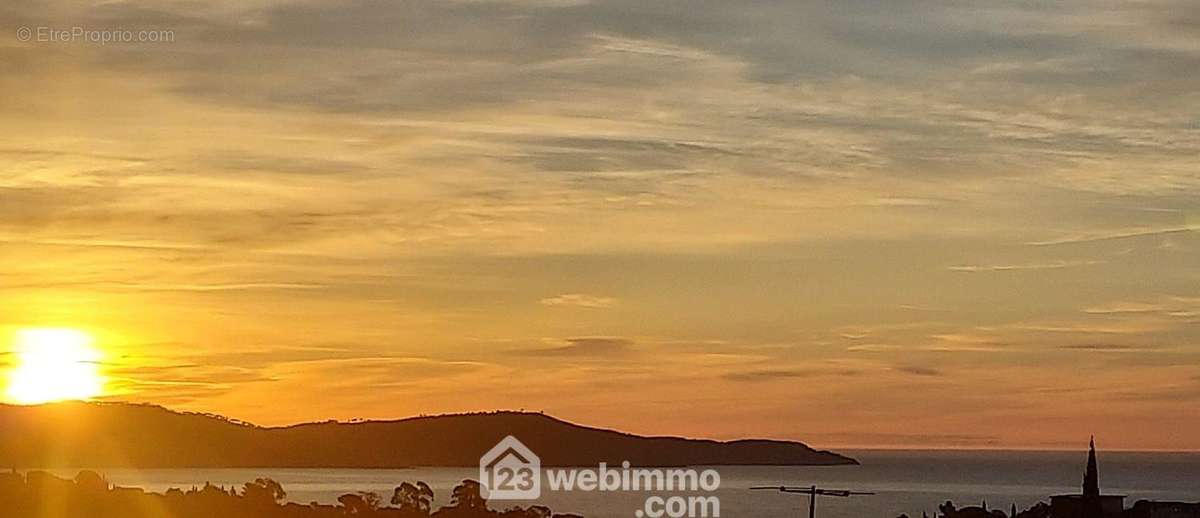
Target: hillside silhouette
(77,434)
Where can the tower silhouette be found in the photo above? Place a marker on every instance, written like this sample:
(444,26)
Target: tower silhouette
(1091,485)
(1089,503)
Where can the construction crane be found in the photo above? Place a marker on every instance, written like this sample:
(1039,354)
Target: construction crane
(813,492)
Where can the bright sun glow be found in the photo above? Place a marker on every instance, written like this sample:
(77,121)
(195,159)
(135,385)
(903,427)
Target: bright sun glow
(54,365)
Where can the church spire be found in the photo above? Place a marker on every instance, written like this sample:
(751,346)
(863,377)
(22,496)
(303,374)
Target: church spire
(1091,479)
(1092,508)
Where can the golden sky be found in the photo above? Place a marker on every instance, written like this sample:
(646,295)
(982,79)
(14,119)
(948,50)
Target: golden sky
(859,223)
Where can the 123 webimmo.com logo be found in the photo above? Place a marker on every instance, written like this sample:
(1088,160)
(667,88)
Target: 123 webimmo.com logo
(510,471)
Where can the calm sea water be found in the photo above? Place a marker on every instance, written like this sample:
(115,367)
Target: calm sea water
(905,482)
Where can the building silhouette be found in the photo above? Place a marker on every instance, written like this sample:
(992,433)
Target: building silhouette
(1090,503)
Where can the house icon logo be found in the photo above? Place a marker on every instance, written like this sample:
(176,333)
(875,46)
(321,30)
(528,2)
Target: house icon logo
(510,471)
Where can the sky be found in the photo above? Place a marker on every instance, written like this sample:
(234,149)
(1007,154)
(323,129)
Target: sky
(906,224)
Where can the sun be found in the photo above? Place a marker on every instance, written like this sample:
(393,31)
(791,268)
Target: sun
(54,365)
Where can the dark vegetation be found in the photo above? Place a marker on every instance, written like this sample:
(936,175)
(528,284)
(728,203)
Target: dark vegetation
(41,495)
(146,436)
(949,510)
(1141,509)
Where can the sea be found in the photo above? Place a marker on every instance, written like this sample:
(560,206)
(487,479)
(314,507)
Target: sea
(903,482)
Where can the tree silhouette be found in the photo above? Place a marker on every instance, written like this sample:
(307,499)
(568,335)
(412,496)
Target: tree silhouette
(362,502)
(413,499)
(264,490)
(468,496)
(947,509)
(43,495)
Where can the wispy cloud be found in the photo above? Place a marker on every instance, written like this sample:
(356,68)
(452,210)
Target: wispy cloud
(1109,348)
(251,286)
(1054,265)
(1124,307)
(910,439)
(1170,306)
(1120,235)
(579,300)
(873,348)
(599,346)
(920,371)
(963,342)
(765,375)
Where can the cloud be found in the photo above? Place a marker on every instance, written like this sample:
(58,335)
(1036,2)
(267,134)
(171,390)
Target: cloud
(363,373)
(919,371)
(1168,306)
(1112,348)
(912,439)
(962,342)
(1116,236)
(178,383)
(599,346)
(252,286)
(1018,267)
(764,375)
(579,300)
(241,163)
(1124,307)
(873,348)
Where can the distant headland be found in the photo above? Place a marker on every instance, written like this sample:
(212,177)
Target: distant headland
(75,434)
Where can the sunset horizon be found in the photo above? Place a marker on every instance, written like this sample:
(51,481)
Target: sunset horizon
(830,247)
(107,391)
